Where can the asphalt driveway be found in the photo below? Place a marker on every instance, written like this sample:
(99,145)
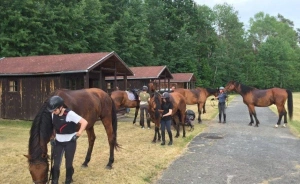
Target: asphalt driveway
(235,153)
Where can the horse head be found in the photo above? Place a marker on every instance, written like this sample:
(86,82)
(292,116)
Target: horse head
(231,86)
(155,108)
(40,133)
(39,169)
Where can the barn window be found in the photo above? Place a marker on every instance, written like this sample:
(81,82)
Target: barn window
(13,86)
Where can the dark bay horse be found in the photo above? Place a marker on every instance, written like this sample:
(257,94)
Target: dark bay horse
(91,104)
(197,96)
(121,100)
(178,112)
(263,98)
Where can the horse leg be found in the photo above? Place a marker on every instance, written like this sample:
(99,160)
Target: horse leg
(91,138)
(281,112)
(182,123)
(204,111)
(199,113)
(135,114)
(177,129)
(256,120)
(251,108)
(285,118)
(112,139)
(155,132)
(158,133)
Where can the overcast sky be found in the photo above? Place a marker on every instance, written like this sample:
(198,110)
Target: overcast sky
(290,9)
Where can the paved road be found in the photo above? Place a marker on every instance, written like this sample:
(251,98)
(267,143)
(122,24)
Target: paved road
(235,153)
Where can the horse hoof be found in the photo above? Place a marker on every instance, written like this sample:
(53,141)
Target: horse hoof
(284,125)
(256,126)
(84,165)
(276,126)
(153,142)
(108,167)
(250,124)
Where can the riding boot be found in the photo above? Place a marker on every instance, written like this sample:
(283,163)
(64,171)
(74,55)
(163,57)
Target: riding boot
(163,142)
(171,138)
(224,118)
(55,176)
(69,174)
(220,118)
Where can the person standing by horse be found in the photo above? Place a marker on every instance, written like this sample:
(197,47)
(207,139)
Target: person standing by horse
(64,122)
(222,97)
(166,119)
(144,98)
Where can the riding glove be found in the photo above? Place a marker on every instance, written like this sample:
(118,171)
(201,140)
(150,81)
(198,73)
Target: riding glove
(52,142)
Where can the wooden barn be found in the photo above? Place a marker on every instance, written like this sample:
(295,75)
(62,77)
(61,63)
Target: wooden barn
(142,76)
(26,82)
(183,80)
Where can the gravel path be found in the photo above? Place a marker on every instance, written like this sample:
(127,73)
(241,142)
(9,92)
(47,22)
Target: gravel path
(235,153)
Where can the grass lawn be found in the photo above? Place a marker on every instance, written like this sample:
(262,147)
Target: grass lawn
(139,161)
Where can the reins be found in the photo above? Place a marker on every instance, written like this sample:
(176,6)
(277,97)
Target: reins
(212,103)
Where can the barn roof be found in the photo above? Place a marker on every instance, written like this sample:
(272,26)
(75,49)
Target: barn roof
(183,77)
(148,72)
(60,64)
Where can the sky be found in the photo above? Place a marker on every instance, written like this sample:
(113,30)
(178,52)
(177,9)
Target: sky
(290,9)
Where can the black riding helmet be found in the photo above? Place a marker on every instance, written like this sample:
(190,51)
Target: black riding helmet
(54,103)
(145,88)
(165,95)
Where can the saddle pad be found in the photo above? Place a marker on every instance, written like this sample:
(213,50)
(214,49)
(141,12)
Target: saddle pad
(130,95)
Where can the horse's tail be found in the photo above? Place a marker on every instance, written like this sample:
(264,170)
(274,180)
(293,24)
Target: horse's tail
(290,103)
(114,123)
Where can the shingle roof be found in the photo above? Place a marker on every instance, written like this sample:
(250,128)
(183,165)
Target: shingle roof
(52,64)
(183,77)
(148,72)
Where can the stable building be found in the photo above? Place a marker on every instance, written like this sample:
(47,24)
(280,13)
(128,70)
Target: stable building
(26,82)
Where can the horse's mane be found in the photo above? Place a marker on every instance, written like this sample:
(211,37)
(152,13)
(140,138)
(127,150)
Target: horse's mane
(211,90)
(40,132)
(244,89)
(158,105)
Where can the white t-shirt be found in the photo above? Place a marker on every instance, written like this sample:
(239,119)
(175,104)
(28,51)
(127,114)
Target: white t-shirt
(71,117)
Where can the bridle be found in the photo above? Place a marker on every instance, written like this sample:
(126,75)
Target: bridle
(42,181)
(46,179)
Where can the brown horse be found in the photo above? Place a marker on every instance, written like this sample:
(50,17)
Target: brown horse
(263,98)
(91,104)
(197,96)
(178,112)
(121,100)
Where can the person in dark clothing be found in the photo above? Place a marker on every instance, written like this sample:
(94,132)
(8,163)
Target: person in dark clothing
(64,138)
(222,97)
(166,119)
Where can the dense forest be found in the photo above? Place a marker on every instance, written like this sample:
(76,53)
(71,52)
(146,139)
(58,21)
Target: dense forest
(210,42)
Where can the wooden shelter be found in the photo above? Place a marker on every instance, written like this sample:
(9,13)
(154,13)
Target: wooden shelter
(183,80)
(26,82)
(142,76)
